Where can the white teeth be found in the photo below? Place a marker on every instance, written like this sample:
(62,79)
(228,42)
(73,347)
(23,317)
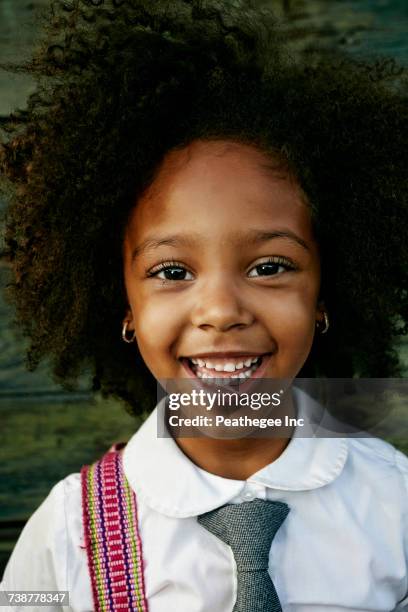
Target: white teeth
(210,365)
(251,363)
(198,362)
(227,367)
(241,375)
(230,366)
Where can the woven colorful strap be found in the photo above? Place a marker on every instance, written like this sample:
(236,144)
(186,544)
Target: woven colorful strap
(111,534)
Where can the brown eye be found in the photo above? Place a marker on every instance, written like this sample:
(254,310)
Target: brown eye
(268,269)
(173,273)
(170,272)
(272,267)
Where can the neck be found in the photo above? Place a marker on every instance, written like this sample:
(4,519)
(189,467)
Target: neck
(236,458)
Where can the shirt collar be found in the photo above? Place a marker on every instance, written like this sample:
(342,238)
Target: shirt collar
(166,480)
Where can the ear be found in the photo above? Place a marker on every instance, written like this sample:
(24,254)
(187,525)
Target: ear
(321,310)
(128,318)
(128,326)
(322,317)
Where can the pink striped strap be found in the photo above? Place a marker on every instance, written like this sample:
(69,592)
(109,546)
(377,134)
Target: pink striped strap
(111,535)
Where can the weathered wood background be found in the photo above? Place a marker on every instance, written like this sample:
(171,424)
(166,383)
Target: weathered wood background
(45,433)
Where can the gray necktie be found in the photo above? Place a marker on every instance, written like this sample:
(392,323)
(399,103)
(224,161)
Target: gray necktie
(249,529)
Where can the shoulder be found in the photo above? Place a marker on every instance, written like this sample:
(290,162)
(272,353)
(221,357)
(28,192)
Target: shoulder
(40,554)
(49,521)
(378,450)
(380,459)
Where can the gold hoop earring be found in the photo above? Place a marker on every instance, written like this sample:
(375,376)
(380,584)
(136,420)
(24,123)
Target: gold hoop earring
(125,338)
(324,329)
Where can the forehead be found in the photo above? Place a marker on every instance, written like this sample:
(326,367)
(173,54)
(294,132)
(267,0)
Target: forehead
(217,187)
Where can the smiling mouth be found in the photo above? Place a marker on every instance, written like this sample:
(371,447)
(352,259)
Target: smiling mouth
(237,368)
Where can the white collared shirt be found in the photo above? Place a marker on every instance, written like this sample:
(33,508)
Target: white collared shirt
(343,546)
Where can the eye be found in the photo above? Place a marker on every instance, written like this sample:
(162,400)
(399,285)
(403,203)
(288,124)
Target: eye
(170,271)
(272,267)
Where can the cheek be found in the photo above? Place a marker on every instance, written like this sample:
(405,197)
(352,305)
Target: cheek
(157,324)
(291,319)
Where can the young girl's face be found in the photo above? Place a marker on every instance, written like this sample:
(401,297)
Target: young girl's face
(221,266)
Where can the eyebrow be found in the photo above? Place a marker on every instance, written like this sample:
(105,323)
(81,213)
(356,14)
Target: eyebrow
(253,237)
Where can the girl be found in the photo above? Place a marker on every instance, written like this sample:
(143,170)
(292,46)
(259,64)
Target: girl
(187,200)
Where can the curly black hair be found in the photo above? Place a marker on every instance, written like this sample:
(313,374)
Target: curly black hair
(119,84)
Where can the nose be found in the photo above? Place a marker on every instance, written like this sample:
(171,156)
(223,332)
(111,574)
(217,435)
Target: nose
(220,305)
